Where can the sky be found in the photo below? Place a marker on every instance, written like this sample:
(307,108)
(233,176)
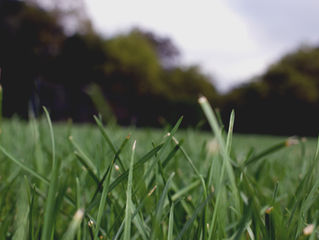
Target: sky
(231,40)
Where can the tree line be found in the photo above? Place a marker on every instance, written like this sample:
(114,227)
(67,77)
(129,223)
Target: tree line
(136,78)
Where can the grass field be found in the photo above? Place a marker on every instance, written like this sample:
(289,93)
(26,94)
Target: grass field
(95,182)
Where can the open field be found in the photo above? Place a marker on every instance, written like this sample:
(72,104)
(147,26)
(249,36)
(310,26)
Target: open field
(186,185)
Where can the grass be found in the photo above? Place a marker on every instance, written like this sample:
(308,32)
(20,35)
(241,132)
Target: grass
(94,182)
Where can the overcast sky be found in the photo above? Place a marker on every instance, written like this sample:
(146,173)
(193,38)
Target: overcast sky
(232,40)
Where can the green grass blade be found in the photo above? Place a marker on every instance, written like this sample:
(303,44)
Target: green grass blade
(212,120)
(102,204)
(50,203)
(197,211)
(128,210)
(23,166)
(38,154)
(230,132)
(137,165)
(160,207)
(139,207)
(104,134)
(31,226)
(172,154)
(74,225)
(185,190)
(23,208)
(139,223)
(88,162)
(171,223)
(78,203)
(109,142)
(87,167)
(100,183)
(190,161)
(272,149)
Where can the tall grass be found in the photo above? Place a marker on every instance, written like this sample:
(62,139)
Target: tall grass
(86,182)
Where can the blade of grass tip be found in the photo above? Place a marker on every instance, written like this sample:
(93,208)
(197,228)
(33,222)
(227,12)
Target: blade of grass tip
(118,152)
(190,161)
(85,158)
(171,223)
(230,131)
(104,134)
(160,207)
(169,137)
(163,148)
(102,204)
(108,140)
(50,203)
(139,207)
(87,167)
(212,120)
(24,167)
(100,182)
(172,154)
(137,165)
(128,210)
(226,163)
(74,225)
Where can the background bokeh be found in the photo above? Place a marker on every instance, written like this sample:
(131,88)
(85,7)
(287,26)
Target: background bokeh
(53,56)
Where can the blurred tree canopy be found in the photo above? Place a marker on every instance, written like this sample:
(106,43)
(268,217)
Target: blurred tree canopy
(137,76)
(284,100)
(29,39)
(43,64)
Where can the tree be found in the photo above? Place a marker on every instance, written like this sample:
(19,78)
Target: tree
(283,100)
(30,37)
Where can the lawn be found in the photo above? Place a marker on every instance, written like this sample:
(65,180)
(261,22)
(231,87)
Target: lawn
(109,182)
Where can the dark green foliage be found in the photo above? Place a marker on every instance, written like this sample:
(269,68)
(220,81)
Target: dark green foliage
(136,71)
(283,100)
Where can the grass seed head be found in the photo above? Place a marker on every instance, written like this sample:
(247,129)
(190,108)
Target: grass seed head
(79,214)
(152,190)
(269,210)
(134,145)
(117,168)
(175,140)
(202,99)
(90,223)
(291,141)
(212,146)
(308,229)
